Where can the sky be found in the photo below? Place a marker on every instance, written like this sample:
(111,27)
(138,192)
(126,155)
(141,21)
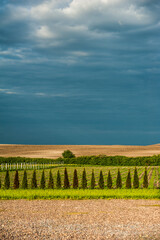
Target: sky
(80,72)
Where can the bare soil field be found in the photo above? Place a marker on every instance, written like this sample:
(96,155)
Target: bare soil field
(55,151)
(80,219)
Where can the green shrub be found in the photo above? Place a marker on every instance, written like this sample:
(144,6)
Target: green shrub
(145,179)
(93,180)
(25,181)
(135,179)
(7,180)
(128,180)
(101,180)
(68,154)
(66,179)
(84,179)
(109,180)
(43,181)
(58,180)
(50,181)
(75,179)
(118,180)
(16,180)
(34,180)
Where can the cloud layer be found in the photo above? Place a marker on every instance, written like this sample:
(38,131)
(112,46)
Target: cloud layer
(64,27)
(89,67)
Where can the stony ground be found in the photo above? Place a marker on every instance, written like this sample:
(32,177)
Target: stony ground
(79,219)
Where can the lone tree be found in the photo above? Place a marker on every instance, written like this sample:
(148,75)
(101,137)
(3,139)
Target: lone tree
(84,179)
(68,154)
(7,180)
(145,179)
(34,180)
(118,180)
(50,181)
(24,181)
(101,180)
(66,179)
(93,180)
(109,180)
(75,179)
(16,180)
(58,180)
(135,179)
(43,181)
(128,180)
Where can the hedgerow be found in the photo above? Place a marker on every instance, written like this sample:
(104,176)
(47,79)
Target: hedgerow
(102,160)
(114,160)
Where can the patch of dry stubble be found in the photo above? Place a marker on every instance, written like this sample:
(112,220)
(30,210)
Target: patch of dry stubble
(55,151)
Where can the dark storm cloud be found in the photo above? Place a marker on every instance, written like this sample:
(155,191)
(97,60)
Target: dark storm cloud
(73,25)
(71,31)
(79,71)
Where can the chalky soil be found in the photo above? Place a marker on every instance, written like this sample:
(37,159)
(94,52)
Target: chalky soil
(80,219)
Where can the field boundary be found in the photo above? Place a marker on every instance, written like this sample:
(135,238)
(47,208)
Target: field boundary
(79,194)
(102,160)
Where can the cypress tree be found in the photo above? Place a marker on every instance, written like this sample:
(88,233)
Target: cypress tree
(135,179)
(145,179)
(75,179)
(101,180)
(43,181)
(118,180)
(34,180)
(66,179)
(128,180)
(7,180)
(92,180)
(58,180)
(50,181)
(24,181)
(16,180)
(109,180)
(84,179)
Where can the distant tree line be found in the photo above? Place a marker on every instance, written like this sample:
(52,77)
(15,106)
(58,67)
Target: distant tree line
(102,160)
(114,160)
(19,160)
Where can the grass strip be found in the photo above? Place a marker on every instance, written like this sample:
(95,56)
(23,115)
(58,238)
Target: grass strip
(31,194)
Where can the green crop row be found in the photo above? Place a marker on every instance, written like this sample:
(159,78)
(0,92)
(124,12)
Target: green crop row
(153,178)
(80,194)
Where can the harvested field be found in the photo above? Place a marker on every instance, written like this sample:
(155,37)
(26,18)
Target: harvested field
(55,151)
(80,219)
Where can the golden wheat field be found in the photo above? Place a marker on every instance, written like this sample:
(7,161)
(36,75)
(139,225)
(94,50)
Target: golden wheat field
(54,151)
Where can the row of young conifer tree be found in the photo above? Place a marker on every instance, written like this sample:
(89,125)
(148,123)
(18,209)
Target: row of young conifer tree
(76,185)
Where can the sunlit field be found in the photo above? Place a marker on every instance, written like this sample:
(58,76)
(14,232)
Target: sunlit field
(152,192)
(153,175)
(31,194)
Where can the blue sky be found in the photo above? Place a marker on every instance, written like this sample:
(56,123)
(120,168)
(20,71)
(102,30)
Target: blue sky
(80,72)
